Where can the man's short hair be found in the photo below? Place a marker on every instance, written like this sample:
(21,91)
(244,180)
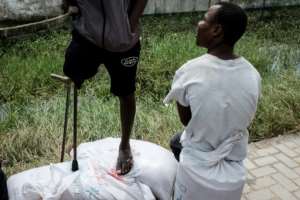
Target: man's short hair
(233,20)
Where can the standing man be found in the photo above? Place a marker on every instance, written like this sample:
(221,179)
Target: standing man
(216,95)
(107,32)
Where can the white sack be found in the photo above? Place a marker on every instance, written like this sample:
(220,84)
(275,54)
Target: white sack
(154,165)
(91,182)
(153,173)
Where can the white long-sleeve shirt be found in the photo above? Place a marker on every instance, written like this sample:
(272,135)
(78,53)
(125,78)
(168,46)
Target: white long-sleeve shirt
(223,97)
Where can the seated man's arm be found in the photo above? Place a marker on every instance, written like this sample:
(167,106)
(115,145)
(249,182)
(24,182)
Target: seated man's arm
(184,113)
(135,12)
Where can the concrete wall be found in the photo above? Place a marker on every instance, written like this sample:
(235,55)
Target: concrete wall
(268,3)
(22,10)
(171,6)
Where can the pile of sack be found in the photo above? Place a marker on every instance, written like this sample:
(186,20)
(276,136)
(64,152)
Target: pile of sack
(152,176)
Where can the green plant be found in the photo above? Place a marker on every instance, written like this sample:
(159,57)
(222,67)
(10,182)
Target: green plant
(32,105)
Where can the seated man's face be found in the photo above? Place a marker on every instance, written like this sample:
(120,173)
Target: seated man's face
(206,29)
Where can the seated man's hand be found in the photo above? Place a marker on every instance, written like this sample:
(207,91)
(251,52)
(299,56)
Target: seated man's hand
(125,161)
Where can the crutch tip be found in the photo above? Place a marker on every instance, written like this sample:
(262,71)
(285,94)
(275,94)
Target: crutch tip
(75,166)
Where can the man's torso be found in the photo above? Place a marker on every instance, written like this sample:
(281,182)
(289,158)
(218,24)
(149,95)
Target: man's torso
(106,24)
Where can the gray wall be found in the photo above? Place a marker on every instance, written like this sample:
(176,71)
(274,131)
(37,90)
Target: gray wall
(22,10)
(171,6)
(174,6)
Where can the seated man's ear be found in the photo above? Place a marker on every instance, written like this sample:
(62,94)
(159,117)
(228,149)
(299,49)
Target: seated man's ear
(218,32)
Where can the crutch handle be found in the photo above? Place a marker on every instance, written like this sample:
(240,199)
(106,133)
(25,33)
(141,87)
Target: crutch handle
(63,79)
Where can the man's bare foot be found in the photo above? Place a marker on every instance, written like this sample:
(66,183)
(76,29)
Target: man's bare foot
(125,161)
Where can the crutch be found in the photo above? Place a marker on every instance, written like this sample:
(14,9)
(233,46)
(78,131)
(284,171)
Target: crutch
(67,81)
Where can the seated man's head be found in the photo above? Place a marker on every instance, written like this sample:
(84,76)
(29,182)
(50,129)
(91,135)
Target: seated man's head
(223,23)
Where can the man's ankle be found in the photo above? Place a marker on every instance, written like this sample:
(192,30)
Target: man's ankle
(124,146)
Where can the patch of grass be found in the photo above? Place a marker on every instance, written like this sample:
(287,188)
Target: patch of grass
(37,133)
(278,111)
(32,105)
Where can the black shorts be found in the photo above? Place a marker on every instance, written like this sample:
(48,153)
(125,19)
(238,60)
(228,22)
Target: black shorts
(83,58)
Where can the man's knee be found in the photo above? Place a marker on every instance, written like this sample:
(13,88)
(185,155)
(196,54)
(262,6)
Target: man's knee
(127,98)
(175,141)
(176,145)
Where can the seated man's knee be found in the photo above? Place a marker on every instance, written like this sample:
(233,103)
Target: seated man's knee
(176,145)
(3,186)
(175,141)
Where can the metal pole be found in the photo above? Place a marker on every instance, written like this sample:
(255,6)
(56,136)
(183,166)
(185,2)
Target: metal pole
(68,87)
(67,82)
(75,162)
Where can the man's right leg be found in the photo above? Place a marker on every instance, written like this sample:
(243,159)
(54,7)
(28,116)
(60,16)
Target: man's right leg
(127,114)
(176,146)
(122,68)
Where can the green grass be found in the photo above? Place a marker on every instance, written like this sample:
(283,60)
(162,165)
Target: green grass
(32,105)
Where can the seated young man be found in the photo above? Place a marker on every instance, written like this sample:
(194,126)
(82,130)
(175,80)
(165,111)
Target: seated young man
(216,96)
